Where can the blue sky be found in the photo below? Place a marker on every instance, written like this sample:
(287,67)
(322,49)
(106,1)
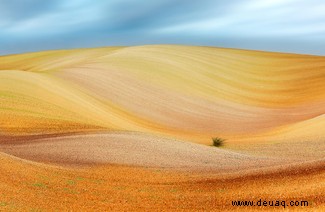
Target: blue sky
(273,25)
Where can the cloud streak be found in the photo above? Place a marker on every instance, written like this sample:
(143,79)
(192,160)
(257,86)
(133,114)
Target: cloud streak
(272,25)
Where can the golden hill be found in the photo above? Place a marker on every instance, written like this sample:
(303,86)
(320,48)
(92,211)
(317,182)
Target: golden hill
(188,92)
(67,122)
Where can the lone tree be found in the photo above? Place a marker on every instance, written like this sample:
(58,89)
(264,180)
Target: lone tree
(218,142)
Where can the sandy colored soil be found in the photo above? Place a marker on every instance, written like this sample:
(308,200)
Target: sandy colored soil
(129,129)
(134,149)
(29,186)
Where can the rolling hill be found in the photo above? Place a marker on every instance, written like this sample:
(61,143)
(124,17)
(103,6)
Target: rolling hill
(125,128)
(192,93)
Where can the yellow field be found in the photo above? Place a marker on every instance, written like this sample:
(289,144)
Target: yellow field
(63,111)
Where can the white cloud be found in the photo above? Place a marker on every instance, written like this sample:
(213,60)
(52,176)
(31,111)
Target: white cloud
(235,21)
(71,16)
(259,18)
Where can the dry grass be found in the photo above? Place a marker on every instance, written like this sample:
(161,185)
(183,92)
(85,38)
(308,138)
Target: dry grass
(27,187)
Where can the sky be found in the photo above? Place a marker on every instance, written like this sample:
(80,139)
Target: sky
(296,26)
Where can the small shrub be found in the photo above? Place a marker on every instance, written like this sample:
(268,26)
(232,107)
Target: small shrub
(218,142)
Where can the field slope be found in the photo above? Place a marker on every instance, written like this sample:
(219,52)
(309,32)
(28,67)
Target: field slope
(131,128)
(189,92)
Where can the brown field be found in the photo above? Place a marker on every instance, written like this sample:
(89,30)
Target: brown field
(130,128)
